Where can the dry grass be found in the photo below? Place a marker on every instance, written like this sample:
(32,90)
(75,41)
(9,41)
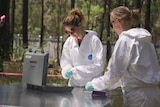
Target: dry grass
(18,67)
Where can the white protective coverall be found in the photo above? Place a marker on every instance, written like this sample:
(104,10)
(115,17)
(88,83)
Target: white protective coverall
(133,66)
(77,59)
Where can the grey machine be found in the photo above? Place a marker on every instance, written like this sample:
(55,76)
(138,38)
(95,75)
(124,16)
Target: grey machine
(35,67)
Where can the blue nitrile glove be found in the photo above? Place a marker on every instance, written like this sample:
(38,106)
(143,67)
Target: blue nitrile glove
(89,86)
(68,73)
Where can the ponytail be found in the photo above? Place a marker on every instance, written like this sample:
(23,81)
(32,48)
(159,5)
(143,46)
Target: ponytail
(135,17)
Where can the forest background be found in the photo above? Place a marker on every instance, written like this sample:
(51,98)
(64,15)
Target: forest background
(43,18)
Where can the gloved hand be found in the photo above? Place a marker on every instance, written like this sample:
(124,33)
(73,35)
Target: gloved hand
(68,73)
(89,86)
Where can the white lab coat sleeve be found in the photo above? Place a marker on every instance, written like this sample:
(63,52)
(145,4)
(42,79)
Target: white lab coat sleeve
(87,72)
(116,67)
(65,61)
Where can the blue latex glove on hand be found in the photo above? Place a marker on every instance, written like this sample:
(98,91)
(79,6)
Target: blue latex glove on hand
(89,86)
(68,73)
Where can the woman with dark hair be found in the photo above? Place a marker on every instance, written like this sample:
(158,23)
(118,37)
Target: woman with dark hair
(83,55)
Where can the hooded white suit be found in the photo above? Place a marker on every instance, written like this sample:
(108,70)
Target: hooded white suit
(133,66)
(86,61)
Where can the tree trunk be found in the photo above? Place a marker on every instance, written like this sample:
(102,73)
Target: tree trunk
(88,13)
(102,20)
(72,4)
(147,14)
(57,31)
(25,23)
(138,4)
(108,48)
(5,40)
(42,24)
(12,23)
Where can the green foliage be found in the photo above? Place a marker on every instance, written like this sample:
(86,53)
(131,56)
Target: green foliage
(154,15)
(19,56)
(91,9)
(34,17)
(16,67)
(9,79)
(4,79)
(55,10)
(57,80)
(18,17)
(96,10)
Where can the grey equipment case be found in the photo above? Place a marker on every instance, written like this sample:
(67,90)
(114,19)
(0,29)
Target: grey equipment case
(35,67)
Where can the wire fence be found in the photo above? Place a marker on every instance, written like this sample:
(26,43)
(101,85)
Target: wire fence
(50,46)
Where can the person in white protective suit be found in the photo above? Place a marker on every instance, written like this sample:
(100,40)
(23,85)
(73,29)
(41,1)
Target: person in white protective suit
(133,64)
(82,56)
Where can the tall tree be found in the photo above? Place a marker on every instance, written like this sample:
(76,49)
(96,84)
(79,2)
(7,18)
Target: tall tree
(12,20)
(25,23)
(57,29)
(102,20)
(138,4)
(72,4)
(108,54)
(147,14)
(42,25)
(5,40)
(88,3)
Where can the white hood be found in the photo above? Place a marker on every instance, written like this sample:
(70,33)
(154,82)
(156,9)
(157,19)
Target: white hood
(139,34)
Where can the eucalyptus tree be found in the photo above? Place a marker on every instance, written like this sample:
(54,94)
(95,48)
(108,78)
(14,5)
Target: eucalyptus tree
(25,23)
(72,4)
(96,13)
(108,48)
(155,21)
(42,24)
(12,17)
(34,17)
(147,13)
(5,39)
